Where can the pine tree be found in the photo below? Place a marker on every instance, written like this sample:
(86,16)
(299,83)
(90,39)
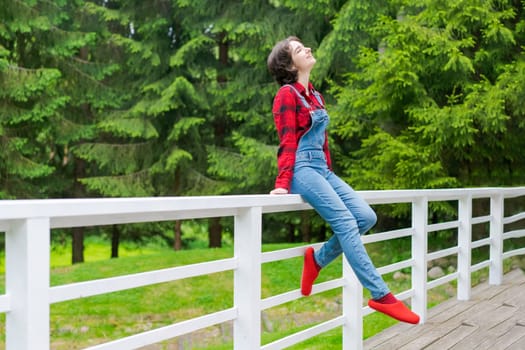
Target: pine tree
(144,143)
(434,103)
(150,144)
(29,96)
(67,47)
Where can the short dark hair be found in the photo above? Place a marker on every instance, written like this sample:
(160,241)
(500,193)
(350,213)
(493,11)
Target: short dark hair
(280,62)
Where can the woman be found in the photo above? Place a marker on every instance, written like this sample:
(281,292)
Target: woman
(305,168)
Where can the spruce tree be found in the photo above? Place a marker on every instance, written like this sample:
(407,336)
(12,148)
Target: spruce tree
(30,99)
(431,101)
(150,144)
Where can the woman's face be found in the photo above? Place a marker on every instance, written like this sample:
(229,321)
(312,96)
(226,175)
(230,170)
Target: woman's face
(302,56)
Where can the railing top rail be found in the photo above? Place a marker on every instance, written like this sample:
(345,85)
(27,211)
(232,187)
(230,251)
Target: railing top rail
(386,196)
(100,211)
(105,211)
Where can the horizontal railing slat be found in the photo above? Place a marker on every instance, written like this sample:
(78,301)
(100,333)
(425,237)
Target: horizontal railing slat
(513,252)
(480,219)
(480,265)
(442,226)
(305,334)
(442,253)
(385,236)
(514,234)
(119,283)
(396,266)
(296,294)
(168,332)
(480,243)
(442,280)
(514,218)
(284,254)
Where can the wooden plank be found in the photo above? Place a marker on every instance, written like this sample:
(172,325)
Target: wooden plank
(453,310)
(452,338)
(428,338)
(494,318)
(498,323)
(513,334)
(488,314)
(519,344)
(490,292)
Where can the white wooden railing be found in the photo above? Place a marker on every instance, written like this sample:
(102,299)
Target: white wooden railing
(27,224)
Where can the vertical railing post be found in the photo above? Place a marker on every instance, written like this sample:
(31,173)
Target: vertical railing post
(496,239)
(27,284)
(352,310)
(419,254)
(247,279)
(465,246)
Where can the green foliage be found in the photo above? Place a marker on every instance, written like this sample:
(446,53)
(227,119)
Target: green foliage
(133,98)
(351,23)
(128,127)
(407,164)
(429,105)
(128,185)
(29,98)
(189,51)
(250,169)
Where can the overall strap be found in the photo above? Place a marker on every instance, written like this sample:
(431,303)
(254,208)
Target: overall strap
(306,104)
(318,97)
(300,96)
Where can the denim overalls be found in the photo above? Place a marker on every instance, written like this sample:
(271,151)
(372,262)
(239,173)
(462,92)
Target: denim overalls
(336,202)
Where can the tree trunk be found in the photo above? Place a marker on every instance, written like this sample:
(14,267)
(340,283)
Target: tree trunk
(306,227)
(77,255)
(219,124)
(291,233)
(214,233)
(322,233)
(480,207)
(223,57)
(78,189)
(115,241)
(177,241)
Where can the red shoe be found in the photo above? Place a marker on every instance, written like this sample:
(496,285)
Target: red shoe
(398,310)
(310,272)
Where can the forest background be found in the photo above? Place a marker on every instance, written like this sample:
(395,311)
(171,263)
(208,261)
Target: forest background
(173,98)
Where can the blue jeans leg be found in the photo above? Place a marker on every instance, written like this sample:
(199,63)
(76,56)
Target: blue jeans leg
(348,215)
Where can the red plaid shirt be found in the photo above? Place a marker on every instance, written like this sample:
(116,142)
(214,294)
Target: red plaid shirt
(292,120)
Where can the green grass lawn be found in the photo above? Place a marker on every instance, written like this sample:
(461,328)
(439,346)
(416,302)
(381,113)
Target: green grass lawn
(85,322)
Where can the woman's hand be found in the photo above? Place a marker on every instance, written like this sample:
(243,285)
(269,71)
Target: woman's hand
(279,191)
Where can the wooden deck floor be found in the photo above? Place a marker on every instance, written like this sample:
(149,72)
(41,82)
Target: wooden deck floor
(493,319)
